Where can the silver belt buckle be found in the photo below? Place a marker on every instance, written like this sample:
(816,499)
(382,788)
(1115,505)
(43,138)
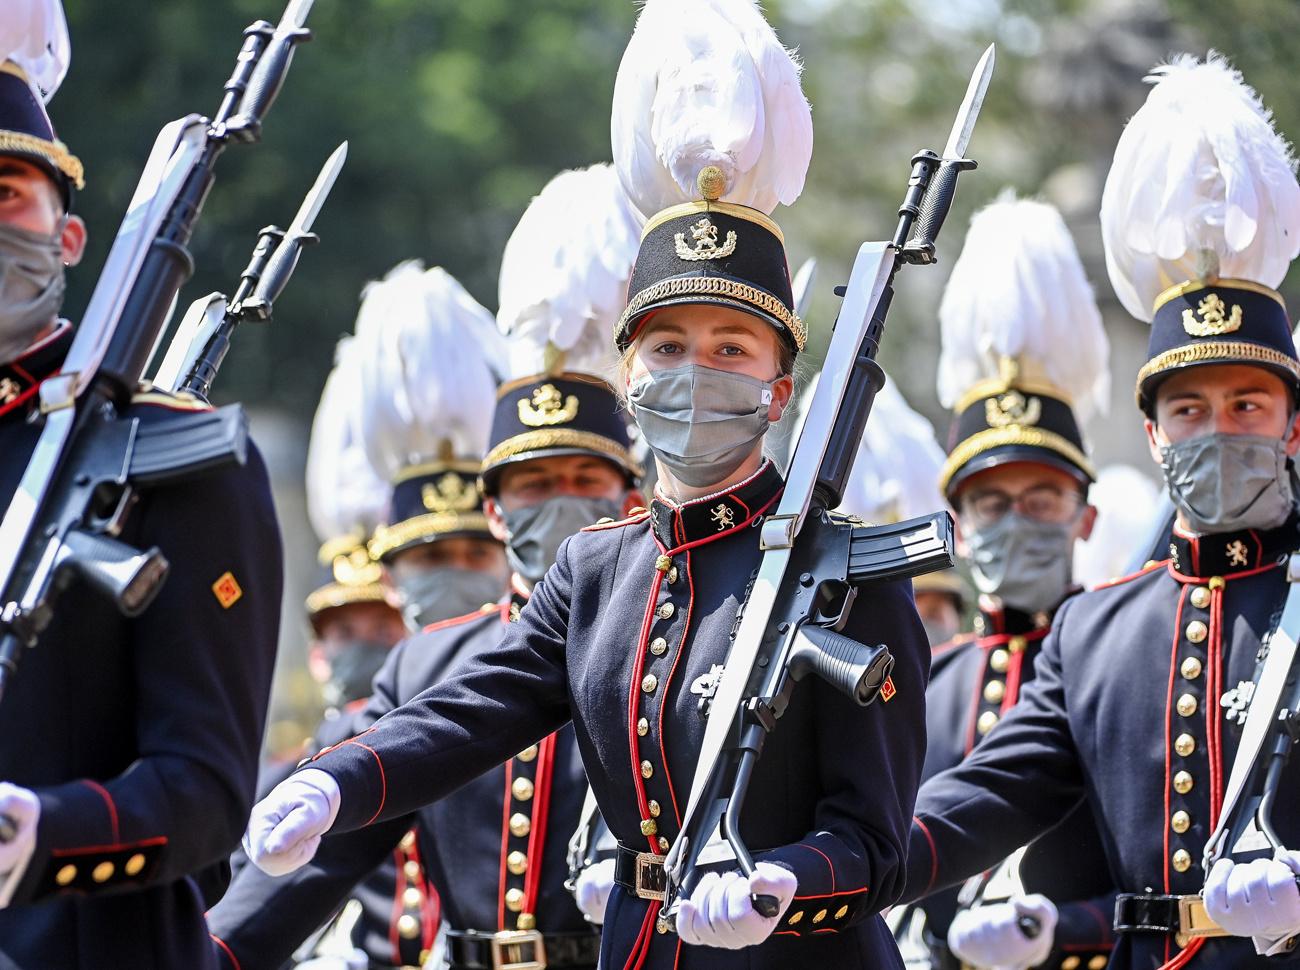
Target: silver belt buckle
(518,950)
(646,863)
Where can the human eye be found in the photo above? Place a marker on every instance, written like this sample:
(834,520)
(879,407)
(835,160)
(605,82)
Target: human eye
(668,347)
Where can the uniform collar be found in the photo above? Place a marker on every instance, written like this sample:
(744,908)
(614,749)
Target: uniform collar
(1225,553)
(716,515)
(20,378)
(996,619)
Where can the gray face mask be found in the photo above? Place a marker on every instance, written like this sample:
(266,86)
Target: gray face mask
(534,533)
(1225,482)
(31,287)
(701,423)
(352,670)
(443,592)
(1023,562)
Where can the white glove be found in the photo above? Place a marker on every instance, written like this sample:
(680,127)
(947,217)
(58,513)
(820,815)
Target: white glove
(990,936)
(286,826)
(1258,899)
(23,809)
(593,888)
(357,961)
(719,913)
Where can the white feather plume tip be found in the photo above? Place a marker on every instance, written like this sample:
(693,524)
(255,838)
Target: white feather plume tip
(344,494)
(564,274)
(34,35)
(706,82)
(427,356)
(1201,185)
(1018,291)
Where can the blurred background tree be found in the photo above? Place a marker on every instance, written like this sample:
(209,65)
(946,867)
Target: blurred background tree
(458,113)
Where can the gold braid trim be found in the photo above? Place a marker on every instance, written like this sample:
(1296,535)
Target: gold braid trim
(339,594)
(560,438)
(429,526)
(715,286)
(1227,282)
(1226,351)
(54,152)
(1012,434)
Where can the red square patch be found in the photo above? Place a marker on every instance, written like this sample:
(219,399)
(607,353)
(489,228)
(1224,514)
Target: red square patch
(888,690)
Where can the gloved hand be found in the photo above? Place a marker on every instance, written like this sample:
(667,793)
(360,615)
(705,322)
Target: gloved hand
(23,809)
(593,888)
(286,826)
(1258,899)
(991,936)
(719,913)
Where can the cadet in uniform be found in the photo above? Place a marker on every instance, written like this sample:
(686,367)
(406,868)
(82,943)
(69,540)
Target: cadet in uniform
(630,625)
(1017,476)
(559,460)
(1132,705)
(131,745)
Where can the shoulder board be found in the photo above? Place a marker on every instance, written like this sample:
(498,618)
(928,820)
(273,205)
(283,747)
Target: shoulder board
(1151,566)
(148,394)
(633,517)
(487,609)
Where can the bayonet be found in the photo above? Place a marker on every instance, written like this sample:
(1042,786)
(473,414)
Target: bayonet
(969,111)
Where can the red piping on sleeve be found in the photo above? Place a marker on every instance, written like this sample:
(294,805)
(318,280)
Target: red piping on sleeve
(226,950)
(934,853)
(383,778)
(830,865)
(108,800)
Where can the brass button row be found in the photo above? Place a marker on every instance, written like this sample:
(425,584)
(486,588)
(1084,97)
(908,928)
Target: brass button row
(522,789)
(994,691)
(1191,668)
(666,611)
(796,917)
(1197,631)
(999,660)
(658,646)
(1200,597)
(1186,705)
(642,727)
(520,826)
(1184,744)
(1180,822)
(986,723)
(1183,782)
(102,872)
(517,863)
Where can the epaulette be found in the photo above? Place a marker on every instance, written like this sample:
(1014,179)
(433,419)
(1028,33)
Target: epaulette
(634,516)
(146,393)
(1151,565)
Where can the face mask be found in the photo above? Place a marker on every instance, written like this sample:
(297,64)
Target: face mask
(352,670)
(938,631)
(1023,562)
(701,422)
(1225,482)
(443,592)
(31,287)
(534,534)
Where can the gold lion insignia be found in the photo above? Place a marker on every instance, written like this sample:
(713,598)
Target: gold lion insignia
(705,234)
(1012,408)
(724,516)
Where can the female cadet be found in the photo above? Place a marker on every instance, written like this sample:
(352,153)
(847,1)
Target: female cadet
(630,627)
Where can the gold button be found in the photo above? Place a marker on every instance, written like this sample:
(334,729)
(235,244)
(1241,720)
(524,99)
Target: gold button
(412,868)
(1017,644)
(672,575)
(1200,597)
(1182,860)
(664,563)
(408,927)
(517,863)
(412,897)
(662,925)
(522,789)
(998,661)
(134,865)
(642,727)
(820,915)
(514,900)
(102,872)
(1183,782)
(520,825)
(528,754)
(1097,963)
(988,720)
(795,917)
(66,874)
(666,611)
(664,844)
(526,921)
(647,769)
(840,913)
(1191,668)
(649,826)
(1216,582)
(654,808)
(658,646)
(1180,822)
(1070,963)
(649,682)
(1187,705)
(424,956)
(994,691)
(1197,631)
(1184,744)
(408,841)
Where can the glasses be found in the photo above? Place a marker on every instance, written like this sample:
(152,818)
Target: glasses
(1042,503)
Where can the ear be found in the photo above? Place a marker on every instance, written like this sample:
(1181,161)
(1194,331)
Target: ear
(782,392)
(1156,439)
(317,663)
(1087,523)
(72,240)
(1293,435)
(496,519)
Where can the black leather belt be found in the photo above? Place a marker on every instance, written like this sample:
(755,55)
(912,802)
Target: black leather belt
(522,950)
(641,873)
(1184,916)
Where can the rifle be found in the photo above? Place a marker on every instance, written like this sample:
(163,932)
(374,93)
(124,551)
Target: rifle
(813,564)
(91,460)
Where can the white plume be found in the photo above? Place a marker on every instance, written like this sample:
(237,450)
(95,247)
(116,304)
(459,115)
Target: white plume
(344,494)
(706,82)
(1018,291)
(427,355)
(1201,185)
(34,35)
(1128,511)
(564,274)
